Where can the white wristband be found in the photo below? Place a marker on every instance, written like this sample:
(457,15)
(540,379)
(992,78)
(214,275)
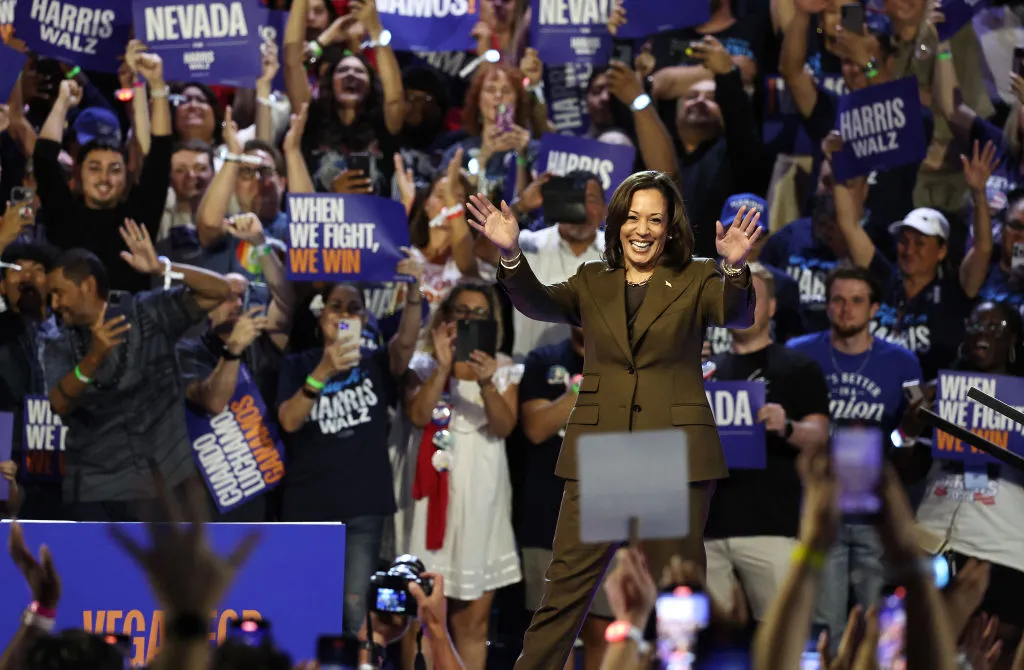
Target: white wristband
(31,619)
(169,275)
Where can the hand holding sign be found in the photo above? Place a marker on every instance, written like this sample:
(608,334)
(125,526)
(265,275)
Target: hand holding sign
(41,575)
(411,267)
(630,588)
(107,334)
(979,168)
(149,65)
(617,18)
(498,226)
(735,244)
(70,93)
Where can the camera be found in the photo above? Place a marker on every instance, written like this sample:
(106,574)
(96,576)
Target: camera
(389,591)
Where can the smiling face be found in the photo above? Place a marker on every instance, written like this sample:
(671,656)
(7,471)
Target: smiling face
(193,115)
(190,173)
(645,230)
(351,82)
(989,339)
(917,254)
(698,111)
(28,284)
(259,189)
(103,178)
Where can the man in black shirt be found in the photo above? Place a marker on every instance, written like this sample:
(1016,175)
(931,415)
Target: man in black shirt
(91,219)
(754,516)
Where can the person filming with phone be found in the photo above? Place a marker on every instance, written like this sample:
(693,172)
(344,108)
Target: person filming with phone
(644,308)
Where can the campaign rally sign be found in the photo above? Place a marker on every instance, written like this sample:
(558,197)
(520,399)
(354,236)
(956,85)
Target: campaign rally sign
(784,130)
(439,25)
(238,451)
(345,237)
(566,87)
(104,591)
(954,405)
(955,15)
(735,405)
(562,154)
(11,64)
(214,42)
(7,31)
(6,435)
(571,31)
(882,128)
(645,17)
(43,441)
(87,33)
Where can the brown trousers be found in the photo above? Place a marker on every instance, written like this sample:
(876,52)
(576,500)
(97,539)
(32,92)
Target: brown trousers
(577,569)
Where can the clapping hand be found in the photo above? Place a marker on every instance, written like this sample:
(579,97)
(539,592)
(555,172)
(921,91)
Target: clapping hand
(451,179)
(141,254)
(979,168)
(736,243)
(498,226)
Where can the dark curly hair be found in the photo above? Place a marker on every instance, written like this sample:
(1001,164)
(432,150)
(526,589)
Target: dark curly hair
(679,245)
(324,128)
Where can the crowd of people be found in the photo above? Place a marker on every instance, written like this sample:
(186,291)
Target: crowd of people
(144,251)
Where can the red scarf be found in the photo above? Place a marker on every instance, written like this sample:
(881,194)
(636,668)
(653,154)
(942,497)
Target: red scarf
(431,484)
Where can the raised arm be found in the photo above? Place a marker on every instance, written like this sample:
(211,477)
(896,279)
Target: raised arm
(403,342)
(211,215)
(727,294)
(296,83)
(793,58)
(554,303)
(974,266)
(213,392)
(656,147)
(387,65)
(299,180)
(849,198)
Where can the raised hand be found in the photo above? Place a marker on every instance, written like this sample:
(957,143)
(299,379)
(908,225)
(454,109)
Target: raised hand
(532,196)
(617,18)
(532,67)
(623,83)
(498,226)
(247,328)
(444,346)
(107,334)
(141,254)
(185,574)
(735,244)
(979,168)
(69,93)
(293,138)
(41,575)
(630,588)
(248,228)
(406,182)
(149,65)
(352,181)
(269,63)
(410,266)
(229,132)
(16,219)
(452,176)
(980,644)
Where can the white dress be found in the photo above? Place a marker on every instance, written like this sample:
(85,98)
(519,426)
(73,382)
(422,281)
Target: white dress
(479,550)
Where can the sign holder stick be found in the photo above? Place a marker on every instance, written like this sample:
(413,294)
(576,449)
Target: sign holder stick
(976,441)
(634,532)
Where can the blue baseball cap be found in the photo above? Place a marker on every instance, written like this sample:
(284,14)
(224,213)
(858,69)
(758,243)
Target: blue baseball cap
(733,204)
(96,122)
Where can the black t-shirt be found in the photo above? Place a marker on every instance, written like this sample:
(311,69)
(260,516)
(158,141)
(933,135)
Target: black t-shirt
(327,156)
(544,374)
(931,324)
(767,502)
(337,462)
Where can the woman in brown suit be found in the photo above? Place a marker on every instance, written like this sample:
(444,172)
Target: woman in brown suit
(645,308)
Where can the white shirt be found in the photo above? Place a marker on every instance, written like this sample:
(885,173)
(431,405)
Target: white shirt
(552,260)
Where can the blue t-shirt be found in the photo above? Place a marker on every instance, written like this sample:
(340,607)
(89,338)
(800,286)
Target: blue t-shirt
(337,464)
(1000,287)
(866,388)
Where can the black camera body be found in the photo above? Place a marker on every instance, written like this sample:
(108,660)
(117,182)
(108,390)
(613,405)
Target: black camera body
(389,591)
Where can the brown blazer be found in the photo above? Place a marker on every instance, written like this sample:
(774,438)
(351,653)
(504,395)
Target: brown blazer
(655,381)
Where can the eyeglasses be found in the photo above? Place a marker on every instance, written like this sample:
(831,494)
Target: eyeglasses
(180,99)
(463,312)
(254,172)
(994,329)
(352,309)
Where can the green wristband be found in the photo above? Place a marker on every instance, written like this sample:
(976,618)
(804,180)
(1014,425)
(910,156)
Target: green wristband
(944,55)
(522,161)
(73,72)
(314,383)
(82,378)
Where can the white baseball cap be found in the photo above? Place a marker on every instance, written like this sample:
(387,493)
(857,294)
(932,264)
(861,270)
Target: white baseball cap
(924,220)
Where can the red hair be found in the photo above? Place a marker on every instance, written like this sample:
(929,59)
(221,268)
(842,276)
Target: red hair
(471,120)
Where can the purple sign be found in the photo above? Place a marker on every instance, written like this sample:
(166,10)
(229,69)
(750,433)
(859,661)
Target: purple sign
(11,64)
(953,405)
(6,435)
(571,32)
(956,14)
(88,33)
(735,405)
(238,451)
(645,17)
(562,154)
(214,42)
(43,440)
(566,87)
(345,237)
(882,128)
(430,26)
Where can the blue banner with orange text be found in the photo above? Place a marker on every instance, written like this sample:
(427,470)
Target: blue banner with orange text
(953,405)
(104,592)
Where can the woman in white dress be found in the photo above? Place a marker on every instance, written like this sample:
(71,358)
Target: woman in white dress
(462,518)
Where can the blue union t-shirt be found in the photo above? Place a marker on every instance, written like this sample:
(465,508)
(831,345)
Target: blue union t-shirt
(866,388)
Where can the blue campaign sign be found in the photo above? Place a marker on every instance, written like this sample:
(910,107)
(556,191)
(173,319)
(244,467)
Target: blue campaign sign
(953,405)
(87,33)
(103,591)
(571,32)
(11,64)
(345,237)
(644,17)
(566,87)
(6,435)
(882,128)
(735,405)
(211,42)
(956,14)
(441,25)
(562,154)
(43,441)
(238,452)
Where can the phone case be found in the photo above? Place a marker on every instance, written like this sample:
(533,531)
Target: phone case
(475,335)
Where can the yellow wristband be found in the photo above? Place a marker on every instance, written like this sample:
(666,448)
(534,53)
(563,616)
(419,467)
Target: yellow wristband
(812,557)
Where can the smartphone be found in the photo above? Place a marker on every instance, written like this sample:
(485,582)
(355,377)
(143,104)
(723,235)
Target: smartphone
(249,632)
(475,335)
(852,19)
(564,200)
(912,390)
(350,329)
(361,162)
(810,659)
(622,52)
(337,652)
(892,628)
(1018,60)
(506,118)
(857,459)
(1017,257)
(681,614)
